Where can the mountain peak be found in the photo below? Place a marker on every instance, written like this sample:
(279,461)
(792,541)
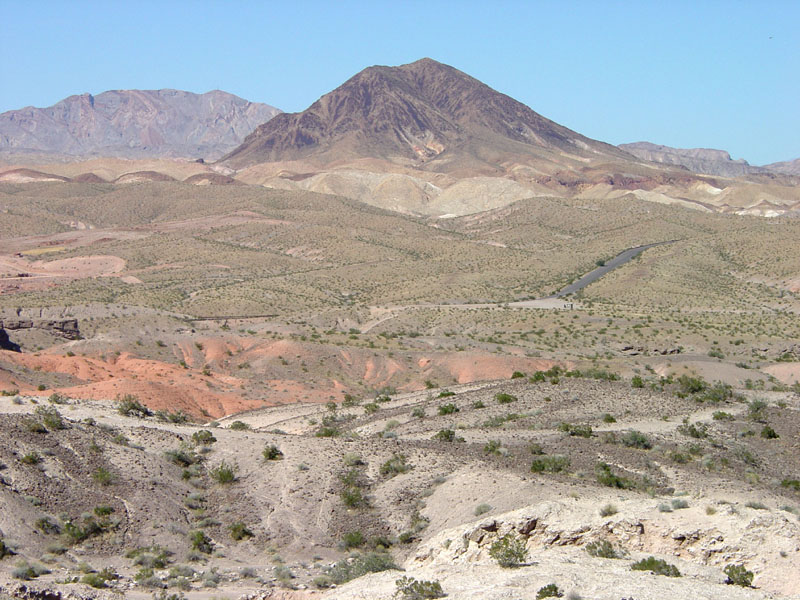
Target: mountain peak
(410,114)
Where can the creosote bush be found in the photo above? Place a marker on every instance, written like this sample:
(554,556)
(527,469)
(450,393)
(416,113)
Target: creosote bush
(738,575)
(129,406)
(272,452)
(224,473)
(239,531)
(549,591)
(395,465)
(509,551)
(657,566)
(409,588)
(357,565)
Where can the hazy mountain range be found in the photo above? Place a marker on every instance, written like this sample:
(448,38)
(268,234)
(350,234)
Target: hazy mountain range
(133,124)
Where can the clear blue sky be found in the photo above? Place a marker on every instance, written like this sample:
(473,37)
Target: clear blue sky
(686,74)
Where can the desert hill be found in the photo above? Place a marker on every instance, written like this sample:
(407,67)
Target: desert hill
(422,112)
(132,124)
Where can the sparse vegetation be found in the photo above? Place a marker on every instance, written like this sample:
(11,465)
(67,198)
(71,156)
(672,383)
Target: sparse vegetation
(509,551)
(657,566)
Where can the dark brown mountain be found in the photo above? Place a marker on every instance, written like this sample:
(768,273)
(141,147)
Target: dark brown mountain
(423,113)
(132,124)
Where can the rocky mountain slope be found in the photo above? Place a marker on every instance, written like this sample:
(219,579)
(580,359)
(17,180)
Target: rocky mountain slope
(697,160)
(133,124)
(423,112)
(789,167)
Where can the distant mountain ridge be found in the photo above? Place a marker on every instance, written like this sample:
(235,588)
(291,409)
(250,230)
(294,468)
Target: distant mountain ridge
(698,160)
(133,124)
(424,112)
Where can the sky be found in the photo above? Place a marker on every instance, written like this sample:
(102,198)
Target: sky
(685,74)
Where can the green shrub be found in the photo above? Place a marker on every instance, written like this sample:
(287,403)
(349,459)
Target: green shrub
(606,477)
(549,591)
(446,394)
(353,539)
(509,551)
(50,417)
(31,458)
(503,398)
(98,580)
(492,447)
(395,465)
(326,431)
(103,476)
(637,382)
(738,575)
(27,571)
(224,473)
(636,439)
(201,542)
(697,431)
(792,484)
(722,416)
(352,497)
(182,457)
(603,549)
(447,435)
(409,588)
(418,413)
(272,452)
(478,404)
(657,566)
(550,464)
(239,531)
(239,426)
(768,433)
(35,426)
(129,406)
(576,430)
(103,510)
(203,437)
(447,409)
(608,418)
(360,564)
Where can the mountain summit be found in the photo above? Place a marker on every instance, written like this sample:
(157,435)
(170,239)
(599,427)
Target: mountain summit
(133,124)
(422,112)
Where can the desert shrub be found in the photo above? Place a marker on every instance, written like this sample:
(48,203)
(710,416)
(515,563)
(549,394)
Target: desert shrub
(503,398)
(103,510)
(603,549)
(492,447)
(549,591)
(550,464)
(129,406)
(447,409)
(447,435)
(5,550)
(35,426)
(576,430)
(170,417)
(509,551)
(536,449)
(482,509)
(353,539)
(272,452)
(27,571)
(478,404)
(203,437)
(418,413)
(360,564)
(697,430)
(637,382)
(322,582)
(395,465)
(792,484)
(606,477)
(46,526)
(608,418)
(768,433)
(56,398)
(150,557)
(679,504)
(691,385)
(636,439)
(608,510)
(665,508)
(352,497)
(224,473)
(409,588)
(239,426)
(326,431)
(31,458)
(657,566)
(182,457)
(351,459)
(239,531)
(371,408)
(756,410)
(201,542)
(103,476)
(98,580)
(738,575)
(720,415)
(50,417)
(755,505)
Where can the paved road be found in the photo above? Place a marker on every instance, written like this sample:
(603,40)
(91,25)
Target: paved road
(620,259)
